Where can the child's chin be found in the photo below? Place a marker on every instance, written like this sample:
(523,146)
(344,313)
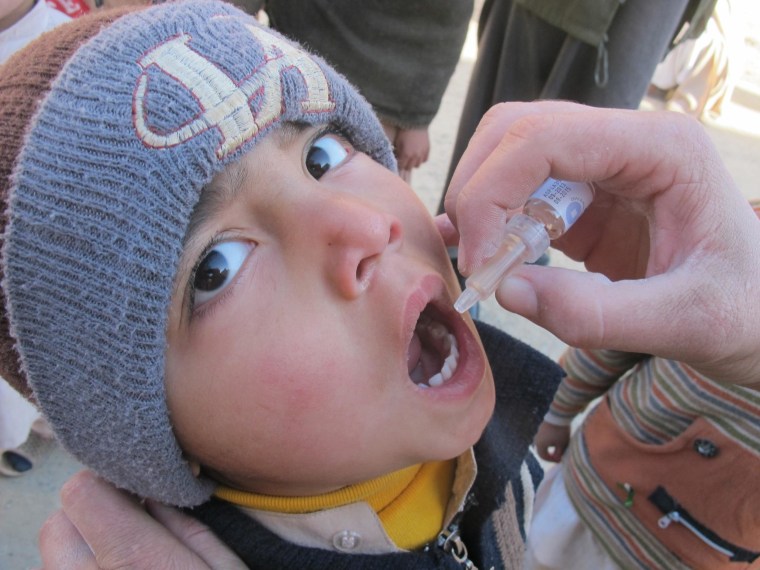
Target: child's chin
(467,437)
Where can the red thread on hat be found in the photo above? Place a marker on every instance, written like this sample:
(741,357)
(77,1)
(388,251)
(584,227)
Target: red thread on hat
(72,8)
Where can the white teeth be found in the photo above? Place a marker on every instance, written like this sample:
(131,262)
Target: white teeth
(436,380)
(449,365)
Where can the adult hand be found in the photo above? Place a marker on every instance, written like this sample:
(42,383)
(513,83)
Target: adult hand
(100,527)
(551,441)
(671,245)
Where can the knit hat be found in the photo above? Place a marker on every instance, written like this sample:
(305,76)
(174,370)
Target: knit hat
(110,127)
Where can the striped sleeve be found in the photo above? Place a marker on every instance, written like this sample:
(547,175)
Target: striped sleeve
(590,373)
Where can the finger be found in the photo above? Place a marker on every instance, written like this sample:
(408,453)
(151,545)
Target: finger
(62,547)
(587,310)
(409,163)
(691,306)
(197,536)
(490,181)
(613,148)
(540,445)
(548,449)
(555,453)
(130,537)
(541,451)
(487,138)
(447,230)
(549,453)
(419,158)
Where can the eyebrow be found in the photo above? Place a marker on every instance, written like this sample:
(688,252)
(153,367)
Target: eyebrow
(228,184)
(221,191)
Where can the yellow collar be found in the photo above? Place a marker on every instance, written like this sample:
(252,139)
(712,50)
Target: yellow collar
(410,503)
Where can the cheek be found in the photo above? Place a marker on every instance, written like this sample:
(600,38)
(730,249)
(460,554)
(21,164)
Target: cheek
(299,404)
(428,242)
(314,383)
(294,385)
(243,382)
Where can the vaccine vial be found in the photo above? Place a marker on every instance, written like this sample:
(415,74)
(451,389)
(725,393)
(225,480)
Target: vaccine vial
(549,212)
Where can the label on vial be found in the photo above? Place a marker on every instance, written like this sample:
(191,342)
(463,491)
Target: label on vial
(569,199)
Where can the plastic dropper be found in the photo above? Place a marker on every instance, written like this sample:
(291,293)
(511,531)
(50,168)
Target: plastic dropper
(548,213)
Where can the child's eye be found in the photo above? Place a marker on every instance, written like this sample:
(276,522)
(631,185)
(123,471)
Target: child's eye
(217,269)
(326,152)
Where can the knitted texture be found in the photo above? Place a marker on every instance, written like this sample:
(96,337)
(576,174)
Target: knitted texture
(25,80)
(125,118)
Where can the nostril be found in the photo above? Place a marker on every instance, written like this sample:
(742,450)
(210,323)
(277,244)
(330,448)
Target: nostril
(366,266)
(357,243)
(364,271)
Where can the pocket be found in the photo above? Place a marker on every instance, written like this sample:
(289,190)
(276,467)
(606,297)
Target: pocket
(674,512)
(714,479)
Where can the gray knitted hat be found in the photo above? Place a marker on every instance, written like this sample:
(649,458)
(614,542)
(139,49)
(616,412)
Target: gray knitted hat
(110,127)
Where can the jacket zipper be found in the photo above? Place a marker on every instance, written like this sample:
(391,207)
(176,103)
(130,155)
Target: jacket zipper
(673,512)
(451,543)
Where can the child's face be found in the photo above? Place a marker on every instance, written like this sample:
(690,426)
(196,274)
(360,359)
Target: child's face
(291,373)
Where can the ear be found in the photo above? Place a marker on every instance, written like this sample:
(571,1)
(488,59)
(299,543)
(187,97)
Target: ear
(195,467)
(447,230)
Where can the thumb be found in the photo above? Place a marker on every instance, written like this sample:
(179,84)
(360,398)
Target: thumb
(588,310)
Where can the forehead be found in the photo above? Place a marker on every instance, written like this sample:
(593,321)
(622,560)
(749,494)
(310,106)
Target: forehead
(226,186)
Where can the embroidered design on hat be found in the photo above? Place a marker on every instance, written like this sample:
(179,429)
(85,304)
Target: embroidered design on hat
(225,104)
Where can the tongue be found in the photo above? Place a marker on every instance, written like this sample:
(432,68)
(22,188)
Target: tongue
(415,350)
(422,362)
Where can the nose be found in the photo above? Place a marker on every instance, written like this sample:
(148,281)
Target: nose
(357,235)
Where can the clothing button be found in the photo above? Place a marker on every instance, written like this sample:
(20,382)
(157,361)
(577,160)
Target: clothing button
(705,448)
(346,540)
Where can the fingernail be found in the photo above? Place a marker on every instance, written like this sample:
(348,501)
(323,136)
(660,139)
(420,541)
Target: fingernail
(518,295)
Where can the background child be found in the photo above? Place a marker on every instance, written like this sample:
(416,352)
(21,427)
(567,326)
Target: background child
(399,54)
(662,474)
(219,285)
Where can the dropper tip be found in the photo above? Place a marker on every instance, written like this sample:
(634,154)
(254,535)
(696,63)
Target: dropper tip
(466,300)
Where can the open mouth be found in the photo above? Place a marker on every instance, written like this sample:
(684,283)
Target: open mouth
(433,354)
